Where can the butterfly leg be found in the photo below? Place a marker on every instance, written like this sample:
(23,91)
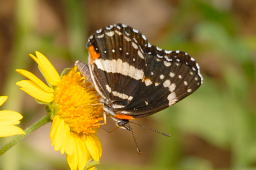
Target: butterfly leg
(104,118)
(83,69)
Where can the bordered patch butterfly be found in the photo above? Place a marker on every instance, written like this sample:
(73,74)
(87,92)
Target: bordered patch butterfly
(134,78)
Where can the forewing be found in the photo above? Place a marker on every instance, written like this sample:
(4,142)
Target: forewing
(135,77)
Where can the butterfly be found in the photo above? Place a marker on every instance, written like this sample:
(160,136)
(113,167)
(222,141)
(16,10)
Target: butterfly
(134,78)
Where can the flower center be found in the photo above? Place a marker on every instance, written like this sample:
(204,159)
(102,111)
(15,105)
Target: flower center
(78,103)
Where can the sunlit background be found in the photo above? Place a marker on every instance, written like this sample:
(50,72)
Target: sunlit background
(215,128)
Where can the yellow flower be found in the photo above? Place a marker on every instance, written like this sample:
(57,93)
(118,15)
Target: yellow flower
(8,121)
(75,110)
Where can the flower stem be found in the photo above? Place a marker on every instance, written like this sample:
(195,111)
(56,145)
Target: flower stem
(17,139)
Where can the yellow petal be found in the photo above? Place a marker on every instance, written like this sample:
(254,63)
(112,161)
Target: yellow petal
(71,144)
(46,68)
(3,99)
(94,147)
(72,162)
(93,168)
(56,133)
(8,117)
(33,90)
(80,157)
(83,154)
(10,131)
(34,79)
(60,135)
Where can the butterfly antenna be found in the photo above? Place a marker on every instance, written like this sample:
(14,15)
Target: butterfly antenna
(152,130)
(134,139)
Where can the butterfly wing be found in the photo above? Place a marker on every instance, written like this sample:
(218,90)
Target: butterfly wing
(136,78)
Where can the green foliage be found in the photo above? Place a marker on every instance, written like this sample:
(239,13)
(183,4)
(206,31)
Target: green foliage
(222,112)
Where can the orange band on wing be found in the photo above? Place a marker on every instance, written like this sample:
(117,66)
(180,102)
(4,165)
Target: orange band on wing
(122,116)
(93,54)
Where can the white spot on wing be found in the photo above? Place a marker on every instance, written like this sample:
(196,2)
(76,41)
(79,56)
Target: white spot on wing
(197,65)
(161,76)
(167,83)
(130,98)
(117,106)
(127,38)
(99,31)
(148,82)
(100,36)
(144,37)
(134,30)
(140,54)
(167,64)
(172,87)
(127,33)
(91,37)
(134,45)
(167,58)
(118,32)
(109,27)
(122,95)
(172,74)
(159,56)
(108,88)
(110,33)
(168,51)
(158,49)
(172,98)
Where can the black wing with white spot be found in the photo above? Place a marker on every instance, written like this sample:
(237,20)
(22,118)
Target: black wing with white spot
(136,78)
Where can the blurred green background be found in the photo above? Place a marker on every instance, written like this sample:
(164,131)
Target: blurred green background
(215,128)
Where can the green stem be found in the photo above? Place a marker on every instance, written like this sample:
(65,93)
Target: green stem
(17,139)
